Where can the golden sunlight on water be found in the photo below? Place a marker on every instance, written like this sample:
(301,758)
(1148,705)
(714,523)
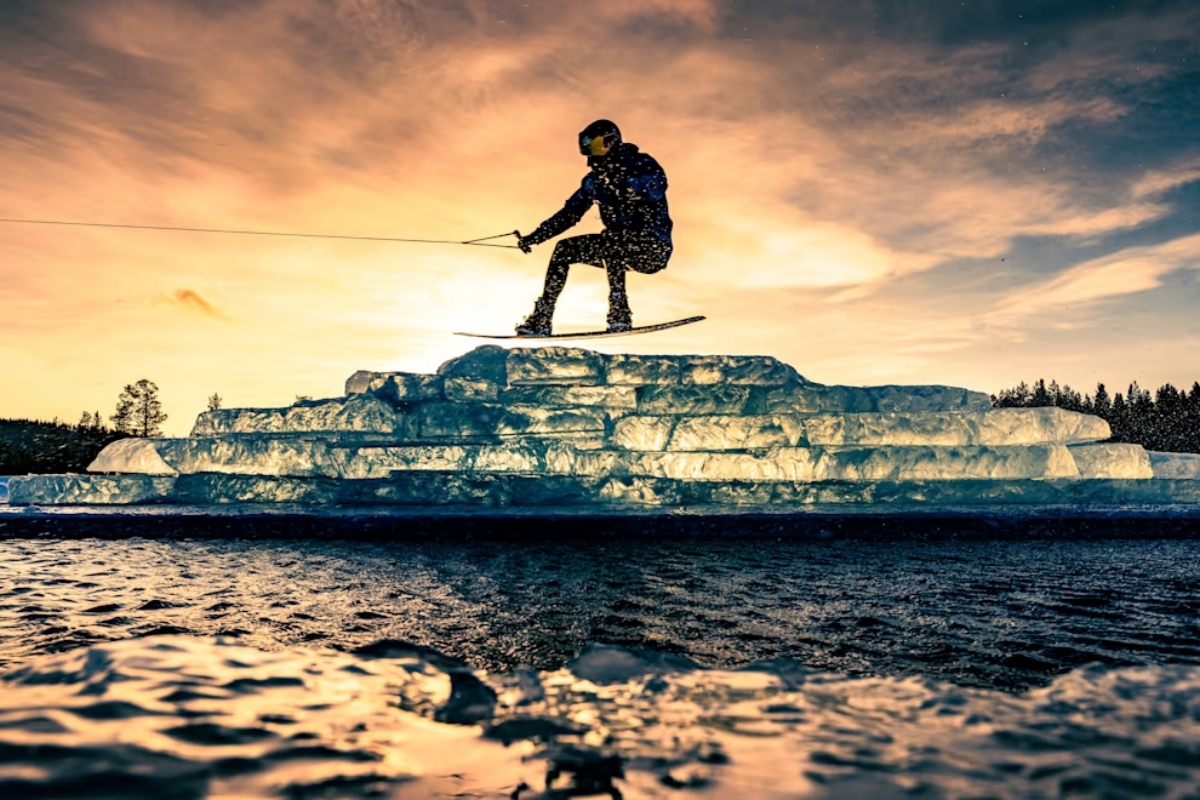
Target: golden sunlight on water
(322,668)
(176,716)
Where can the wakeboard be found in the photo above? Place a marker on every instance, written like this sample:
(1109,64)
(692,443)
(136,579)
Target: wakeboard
(662,326)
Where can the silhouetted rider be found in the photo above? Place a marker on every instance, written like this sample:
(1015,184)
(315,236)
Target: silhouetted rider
(631,189)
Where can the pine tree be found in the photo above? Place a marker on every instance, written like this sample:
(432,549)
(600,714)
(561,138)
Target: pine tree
(1118,420)
(1012,398)
(122,420)
(1102,405)
(214,402)
(1021,394)
(1166,432)
(1041,397)
(85,420)
(1191,419)
(1140,398)
(1071,399)
(148,413)
(139,411)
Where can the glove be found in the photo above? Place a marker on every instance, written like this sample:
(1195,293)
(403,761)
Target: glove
(525,246)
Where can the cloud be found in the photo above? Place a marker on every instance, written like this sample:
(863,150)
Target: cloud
(1160,181)
(1128,271)
(703,13)
(192,301)
(815,175)
(1131,49)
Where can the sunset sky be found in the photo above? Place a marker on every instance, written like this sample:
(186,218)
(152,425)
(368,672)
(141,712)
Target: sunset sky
(875,191)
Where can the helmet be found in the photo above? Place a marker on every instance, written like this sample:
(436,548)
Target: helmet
(599,138)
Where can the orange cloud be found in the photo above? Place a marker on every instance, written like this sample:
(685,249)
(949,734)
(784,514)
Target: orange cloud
(809,176)
(191,300)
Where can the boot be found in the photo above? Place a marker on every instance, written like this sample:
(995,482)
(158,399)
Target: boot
(620,318)
(537,323)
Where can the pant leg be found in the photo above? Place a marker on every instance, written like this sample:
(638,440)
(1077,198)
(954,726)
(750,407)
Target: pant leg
(646,253)
(643,253)
(618,299)
(586,249)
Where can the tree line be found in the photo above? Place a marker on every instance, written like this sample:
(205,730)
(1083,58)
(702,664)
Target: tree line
(1166,421)
(32,446)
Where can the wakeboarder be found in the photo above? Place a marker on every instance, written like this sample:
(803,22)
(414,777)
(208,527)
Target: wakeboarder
(631,189)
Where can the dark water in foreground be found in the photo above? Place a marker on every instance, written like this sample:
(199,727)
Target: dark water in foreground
(849,668)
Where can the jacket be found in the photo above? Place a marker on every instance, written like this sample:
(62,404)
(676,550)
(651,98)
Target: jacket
(631,189)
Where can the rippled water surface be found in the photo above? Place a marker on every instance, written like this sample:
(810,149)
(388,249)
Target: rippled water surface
(996,614)
(714,667)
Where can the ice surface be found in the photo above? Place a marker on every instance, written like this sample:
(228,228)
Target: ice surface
(563,425)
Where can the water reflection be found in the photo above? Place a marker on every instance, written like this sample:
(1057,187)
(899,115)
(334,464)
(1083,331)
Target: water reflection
(432,668)
(178,716)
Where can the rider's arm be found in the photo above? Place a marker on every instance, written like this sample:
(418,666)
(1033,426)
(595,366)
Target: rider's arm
(573,211)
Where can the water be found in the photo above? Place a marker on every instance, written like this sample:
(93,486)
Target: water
(710,667)
(993,614)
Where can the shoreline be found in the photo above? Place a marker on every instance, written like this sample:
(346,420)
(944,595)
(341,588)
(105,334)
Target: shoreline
(818,522)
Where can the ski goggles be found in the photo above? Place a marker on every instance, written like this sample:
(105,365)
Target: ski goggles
(594,145)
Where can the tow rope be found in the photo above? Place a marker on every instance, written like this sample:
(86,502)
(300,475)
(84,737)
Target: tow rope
(483,241)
